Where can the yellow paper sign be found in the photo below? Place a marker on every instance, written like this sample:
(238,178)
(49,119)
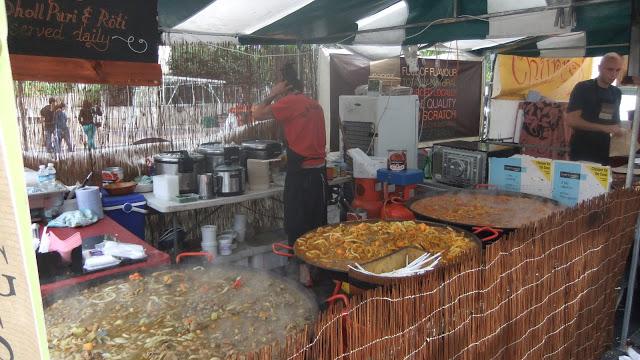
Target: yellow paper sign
(554,78)
(601,173)
(545,168)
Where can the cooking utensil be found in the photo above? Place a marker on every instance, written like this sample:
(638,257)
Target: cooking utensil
(339,271)
(222,295)
(206,186)
(230,180)
(86,180)
(508,210)
(182,163)
(74,188)
(214,154)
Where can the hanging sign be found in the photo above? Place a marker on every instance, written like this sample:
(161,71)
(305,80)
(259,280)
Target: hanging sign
(449,93)
(117,30)
(553,78)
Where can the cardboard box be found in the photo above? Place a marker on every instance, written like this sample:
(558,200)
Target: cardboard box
(506,173)
(525,174)
(574,182)
(537,179)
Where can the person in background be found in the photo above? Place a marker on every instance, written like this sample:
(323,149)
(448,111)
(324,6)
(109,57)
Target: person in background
(61,128)
(87,120)
(305,189)
(594,113)
(48,125)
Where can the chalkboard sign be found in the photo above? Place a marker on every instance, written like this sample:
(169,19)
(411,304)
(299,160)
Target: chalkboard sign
(118,30)
(449,93)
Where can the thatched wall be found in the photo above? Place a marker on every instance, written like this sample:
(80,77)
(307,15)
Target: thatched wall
(547,291)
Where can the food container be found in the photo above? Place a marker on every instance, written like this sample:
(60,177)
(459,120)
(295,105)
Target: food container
(184,164)
(261,149)
(206,186)
(214,153)
(112,174)
(230,180)
(120,188)
(397,160)
(226,298)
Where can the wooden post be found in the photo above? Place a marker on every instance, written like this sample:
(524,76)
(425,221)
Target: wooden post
(22,332)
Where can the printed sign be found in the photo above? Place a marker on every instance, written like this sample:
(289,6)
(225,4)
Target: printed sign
(449,93)
(22,334)
(118,30)
(553,78)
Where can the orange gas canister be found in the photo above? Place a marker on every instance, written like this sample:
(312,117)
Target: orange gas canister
(367,197)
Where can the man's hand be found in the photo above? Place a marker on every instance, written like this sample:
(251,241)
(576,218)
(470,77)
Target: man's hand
(279,89)
(617,130)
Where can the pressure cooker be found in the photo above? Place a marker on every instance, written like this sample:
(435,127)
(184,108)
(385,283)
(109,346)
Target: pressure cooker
(230,180)
(184,164)
(214,153)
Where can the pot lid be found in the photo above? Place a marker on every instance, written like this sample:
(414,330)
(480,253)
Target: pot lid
(176,156)
(260,144)
(211,148)
(228,168)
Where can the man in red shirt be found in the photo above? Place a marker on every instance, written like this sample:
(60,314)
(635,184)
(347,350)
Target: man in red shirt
(305,189)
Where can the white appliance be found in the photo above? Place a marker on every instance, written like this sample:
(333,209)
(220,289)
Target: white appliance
(377,124)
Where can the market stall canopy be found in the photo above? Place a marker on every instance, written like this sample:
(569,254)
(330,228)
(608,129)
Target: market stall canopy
(593,26)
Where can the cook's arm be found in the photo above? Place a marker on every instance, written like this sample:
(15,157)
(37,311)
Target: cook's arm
(263,111)
(575,121)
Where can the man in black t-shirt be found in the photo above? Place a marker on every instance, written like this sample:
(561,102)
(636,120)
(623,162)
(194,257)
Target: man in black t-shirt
(593,113)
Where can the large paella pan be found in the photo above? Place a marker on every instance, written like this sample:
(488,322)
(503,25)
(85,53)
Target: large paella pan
(335,247)
(477,208)
(181,312)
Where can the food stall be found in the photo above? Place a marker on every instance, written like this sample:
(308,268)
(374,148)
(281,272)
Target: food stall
(555,274)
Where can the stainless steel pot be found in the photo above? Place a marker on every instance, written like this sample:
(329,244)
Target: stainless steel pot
(214,153)
(230,180)
(184,164)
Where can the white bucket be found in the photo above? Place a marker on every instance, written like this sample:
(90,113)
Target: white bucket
(211,248)
(240,226)
(209,233)
(225,244)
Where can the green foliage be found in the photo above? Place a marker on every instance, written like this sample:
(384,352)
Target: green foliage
(37,88)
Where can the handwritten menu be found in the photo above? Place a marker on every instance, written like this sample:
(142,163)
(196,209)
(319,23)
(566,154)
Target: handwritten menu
(120,30)
(449,93)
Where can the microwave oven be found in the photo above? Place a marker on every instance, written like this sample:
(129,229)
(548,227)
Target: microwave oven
(466,163)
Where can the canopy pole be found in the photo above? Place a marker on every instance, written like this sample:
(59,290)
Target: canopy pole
(631,284)
(634,141)
(299,60)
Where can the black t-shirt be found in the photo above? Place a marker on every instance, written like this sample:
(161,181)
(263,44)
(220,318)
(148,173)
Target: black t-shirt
(600,106)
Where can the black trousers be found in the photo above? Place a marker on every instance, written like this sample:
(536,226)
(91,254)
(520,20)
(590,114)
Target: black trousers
(305,202)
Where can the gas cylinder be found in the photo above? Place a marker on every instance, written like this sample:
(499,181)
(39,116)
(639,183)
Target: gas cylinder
(367,197)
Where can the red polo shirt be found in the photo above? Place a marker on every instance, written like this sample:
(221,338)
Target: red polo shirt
(303,122)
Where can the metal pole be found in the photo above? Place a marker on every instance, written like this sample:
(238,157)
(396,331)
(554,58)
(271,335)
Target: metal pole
(630,285)
(634,141)
(299,60)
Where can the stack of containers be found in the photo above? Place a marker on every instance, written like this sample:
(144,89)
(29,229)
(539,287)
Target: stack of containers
(209,243)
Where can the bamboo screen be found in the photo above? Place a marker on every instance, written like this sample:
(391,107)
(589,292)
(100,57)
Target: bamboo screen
(204,97)
(544,292)
(206,92)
